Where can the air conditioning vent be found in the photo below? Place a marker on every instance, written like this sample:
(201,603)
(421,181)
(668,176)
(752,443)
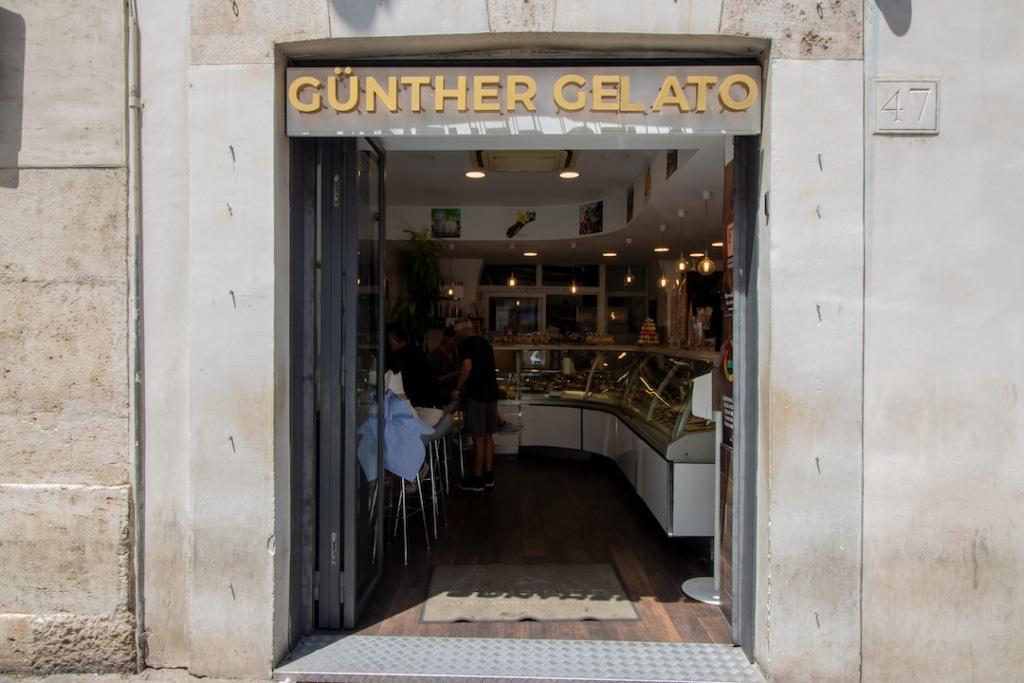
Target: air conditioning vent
(524,161)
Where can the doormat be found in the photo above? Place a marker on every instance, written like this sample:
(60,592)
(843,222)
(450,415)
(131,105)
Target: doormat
(520,592)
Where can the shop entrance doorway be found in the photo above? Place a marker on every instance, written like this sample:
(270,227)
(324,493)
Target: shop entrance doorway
(340,303)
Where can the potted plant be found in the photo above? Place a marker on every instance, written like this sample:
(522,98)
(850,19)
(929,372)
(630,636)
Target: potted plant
(423,282)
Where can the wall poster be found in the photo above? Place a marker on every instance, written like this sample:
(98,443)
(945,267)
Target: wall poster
(592,218)
(445,223)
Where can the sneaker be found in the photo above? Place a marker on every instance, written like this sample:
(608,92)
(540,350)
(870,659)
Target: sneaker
(475,484)
(509,427)
(489,480)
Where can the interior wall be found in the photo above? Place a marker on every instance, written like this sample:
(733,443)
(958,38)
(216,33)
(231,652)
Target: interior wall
(944,428)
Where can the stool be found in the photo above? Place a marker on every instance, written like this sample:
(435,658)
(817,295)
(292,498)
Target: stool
(402,514)
(433,443)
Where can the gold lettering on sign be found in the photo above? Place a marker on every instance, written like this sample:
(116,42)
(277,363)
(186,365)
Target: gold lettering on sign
(295,95)
(624,103)
(374,92)
(353,91)
(485,93)
(725,94)
(458,93)
(416,84)
(513,96)
(343,91)
(672,93)
(702,83)
(558,92)
(606,93)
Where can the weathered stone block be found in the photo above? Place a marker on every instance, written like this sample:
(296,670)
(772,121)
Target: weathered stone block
(65,225)
(64,448)
(63,347)
(64,643)
(64,549)
(521,15)
(407,17)
(70,104)
(799,29)
(245,31)
(692,16)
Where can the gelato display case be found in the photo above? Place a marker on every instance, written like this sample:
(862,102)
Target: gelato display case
(650,388)
(631,404)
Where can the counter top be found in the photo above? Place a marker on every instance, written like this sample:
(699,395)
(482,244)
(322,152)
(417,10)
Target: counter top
(710,356)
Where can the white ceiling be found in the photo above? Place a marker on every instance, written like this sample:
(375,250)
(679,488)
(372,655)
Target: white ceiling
(433,178)
(438,178)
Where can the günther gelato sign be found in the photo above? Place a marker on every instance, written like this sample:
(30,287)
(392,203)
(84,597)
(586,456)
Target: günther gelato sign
(515,100)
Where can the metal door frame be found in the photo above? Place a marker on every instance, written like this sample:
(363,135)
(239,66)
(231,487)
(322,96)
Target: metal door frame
(744,523)
(352,603)
(746,205)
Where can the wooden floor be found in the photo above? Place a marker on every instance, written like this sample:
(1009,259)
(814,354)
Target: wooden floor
(554,511)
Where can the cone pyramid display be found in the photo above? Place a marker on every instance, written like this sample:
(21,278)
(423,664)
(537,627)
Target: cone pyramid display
(648,334)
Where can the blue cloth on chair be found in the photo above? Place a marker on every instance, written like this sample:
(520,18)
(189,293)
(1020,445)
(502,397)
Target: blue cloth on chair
(404,451)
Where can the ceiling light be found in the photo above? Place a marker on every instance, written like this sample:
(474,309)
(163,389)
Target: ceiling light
(609,254)
(660,250)
(475,174)
(718,244)
(529,253)
(663,282)
(696,254)
(569,175)
(629,277)
(706,265)
(573,288)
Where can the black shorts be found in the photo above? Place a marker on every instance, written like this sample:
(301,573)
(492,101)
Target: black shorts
(481,417)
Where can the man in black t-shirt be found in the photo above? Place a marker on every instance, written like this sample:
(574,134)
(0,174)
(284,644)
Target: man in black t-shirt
(477,388)
(421,385)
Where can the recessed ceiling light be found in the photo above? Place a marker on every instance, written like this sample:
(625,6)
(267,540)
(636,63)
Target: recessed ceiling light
(718,244)
(569,175)
(475,173)
(660,250)
(696,254)
(609,254)
(529,253)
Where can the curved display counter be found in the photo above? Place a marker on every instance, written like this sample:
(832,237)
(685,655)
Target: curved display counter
(627,403)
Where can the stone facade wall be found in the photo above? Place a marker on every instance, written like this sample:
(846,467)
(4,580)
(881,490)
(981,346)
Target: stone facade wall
(65,508)
(215,206)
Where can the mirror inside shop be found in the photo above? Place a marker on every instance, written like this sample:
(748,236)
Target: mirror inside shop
(601,279)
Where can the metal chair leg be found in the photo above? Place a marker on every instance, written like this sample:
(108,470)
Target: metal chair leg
(433,486)
(423,511)
(442,499)
(462,457)
(447,485)
(405,526)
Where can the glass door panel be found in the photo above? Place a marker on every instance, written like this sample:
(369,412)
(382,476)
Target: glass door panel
(350,527)
(364,533)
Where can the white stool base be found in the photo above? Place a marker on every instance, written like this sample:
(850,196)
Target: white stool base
(702,589)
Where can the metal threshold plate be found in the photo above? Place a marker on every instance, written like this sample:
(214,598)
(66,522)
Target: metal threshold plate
(354,659)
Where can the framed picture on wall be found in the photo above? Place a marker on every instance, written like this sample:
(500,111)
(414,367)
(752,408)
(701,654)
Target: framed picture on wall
(446,223)
(671,163)
(592,218)
(629,204)
(647,183)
